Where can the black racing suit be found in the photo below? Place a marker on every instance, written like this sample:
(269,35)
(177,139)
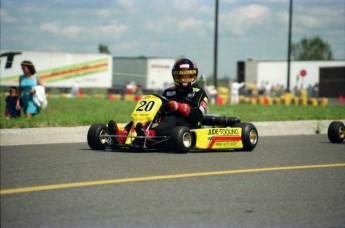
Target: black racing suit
(195,97)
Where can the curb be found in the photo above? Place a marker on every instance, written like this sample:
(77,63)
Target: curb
(27,136)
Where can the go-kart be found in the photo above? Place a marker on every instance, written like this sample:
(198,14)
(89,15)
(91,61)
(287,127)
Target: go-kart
(215,132)
(336,132)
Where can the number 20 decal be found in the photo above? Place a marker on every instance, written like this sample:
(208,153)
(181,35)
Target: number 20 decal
(145,106)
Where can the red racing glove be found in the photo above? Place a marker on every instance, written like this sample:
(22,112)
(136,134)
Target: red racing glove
(182,108)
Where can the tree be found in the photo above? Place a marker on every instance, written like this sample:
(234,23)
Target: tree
(102,48)
(311,49)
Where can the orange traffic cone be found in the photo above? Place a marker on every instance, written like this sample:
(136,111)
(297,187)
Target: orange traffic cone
(341,99)
(265,100)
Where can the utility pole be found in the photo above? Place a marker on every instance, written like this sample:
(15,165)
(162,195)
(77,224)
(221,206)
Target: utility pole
(215,62)
(289,49)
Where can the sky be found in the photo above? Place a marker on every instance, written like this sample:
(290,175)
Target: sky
(247,29)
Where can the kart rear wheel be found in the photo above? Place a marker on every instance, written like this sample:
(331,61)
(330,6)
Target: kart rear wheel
(181,139)
(336,132)
(250,136)
(95,137)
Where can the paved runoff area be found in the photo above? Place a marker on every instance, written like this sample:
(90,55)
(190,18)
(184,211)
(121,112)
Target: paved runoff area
(78,134)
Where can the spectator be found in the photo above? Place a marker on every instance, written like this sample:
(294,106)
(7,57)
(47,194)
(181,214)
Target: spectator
(280,91)
(131,88)
(11,100)
(235,91)
(211,93)
(27,83)
(75,89)
(262,88)
(139,91)
(310,90)
(296,91)
(268,88)
(254,90)
(316,90)
(274,90)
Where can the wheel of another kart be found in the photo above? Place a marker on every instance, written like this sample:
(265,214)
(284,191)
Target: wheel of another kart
(95,136)
(250,136)
(181,139)
(336,132)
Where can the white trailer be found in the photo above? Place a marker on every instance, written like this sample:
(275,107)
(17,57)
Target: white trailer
(329,75)
(59,69)
(275,72)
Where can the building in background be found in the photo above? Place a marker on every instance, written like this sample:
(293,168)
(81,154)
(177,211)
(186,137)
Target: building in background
(329,75)
(150,72)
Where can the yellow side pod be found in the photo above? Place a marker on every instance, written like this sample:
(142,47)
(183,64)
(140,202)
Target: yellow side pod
(218,138)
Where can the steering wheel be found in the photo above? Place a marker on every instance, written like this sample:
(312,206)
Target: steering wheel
(164,99)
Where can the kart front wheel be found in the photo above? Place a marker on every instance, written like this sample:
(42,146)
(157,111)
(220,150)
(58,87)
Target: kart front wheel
(250,136)
(336,132)
(95,137)
(181,140)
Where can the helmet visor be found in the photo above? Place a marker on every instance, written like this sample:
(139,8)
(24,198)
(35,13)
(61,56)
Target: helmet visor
(184,76)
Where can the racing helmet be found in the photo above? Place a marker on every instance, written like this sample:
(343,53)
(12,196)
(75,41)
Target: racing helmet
(184,73)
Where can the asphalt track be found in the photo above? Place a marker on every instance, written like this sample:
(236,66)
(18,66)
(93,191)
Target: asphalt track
(287,181)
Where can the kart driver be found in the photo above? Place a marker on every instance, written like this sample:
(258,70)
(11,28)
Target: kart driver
(187,104)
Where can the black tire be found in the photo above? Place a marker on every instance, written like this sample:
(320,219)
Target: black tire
(224,121)
(94,137)
(250,136)
(181,140)
(336,132)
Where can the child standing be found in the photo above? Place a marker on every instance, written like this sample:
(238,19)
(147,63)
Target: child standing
(11,100)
